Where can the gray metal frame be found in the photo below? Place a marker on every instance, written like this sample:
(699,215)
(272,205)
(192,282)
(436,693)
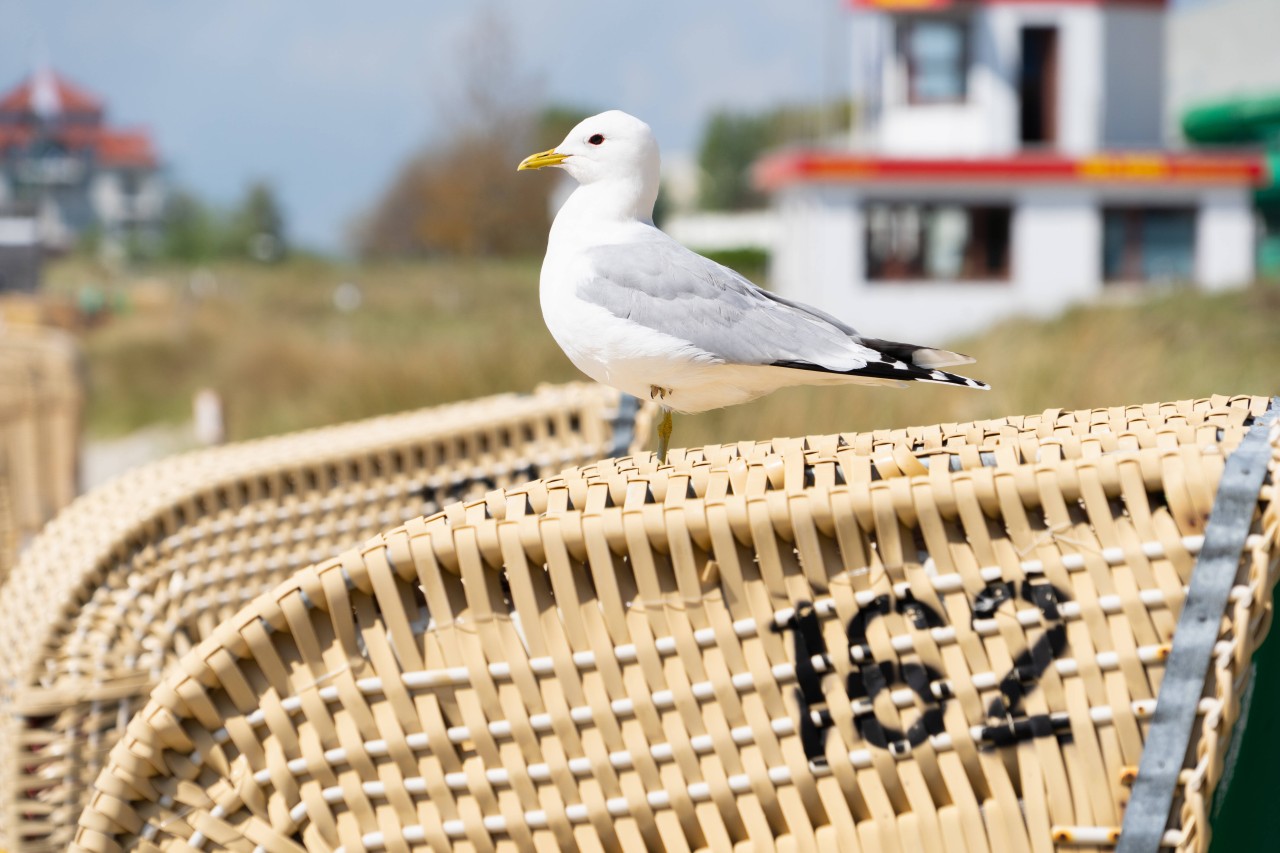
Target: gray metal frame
(1147,814)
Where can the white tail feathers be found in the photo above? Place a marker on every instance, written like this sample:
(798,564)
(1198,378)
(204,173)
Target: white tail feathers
(926,357)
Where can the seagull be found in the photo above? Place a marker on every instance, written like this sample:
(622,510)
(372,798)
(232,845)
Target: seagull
(634,309)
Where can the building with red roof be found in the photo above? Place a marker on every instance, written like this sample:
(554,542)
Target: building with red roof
(1009,158)
(61,159)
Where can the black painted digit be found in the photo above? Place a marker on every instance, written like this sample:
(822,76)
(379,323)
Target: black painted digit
(807,635)
(869,677)
(1005,726)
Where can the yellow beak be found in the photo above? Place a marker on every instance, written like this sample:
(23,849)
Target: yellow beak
(546,158)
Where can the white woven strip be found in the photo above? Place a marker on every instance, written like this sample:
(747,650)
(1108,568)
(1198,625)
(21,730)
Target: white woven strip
(860,759)
(705,638)
(1103,836)
(698,792)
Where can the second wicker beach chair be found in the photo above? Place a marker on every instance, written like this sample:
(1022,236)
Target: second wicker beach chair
(134,574)
(41,395)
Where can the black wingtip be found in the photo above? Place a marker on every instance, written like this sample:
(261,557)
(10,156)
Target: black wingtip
(893,370)
(956,382)
(942,377)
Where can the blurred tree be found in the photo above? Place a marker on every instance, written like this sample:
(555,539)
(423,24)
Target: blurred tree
(389,229)
(256,228)
(191,231)
(462,195)
(661,206)
(556,120)
(732,141)
(730,144)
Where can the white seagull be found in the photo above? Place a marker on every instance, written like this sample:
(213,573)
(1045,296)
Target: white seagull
(634,309)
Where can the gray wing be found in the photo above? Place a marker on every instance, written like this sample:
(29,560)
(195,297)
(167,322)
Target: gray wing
(663,286)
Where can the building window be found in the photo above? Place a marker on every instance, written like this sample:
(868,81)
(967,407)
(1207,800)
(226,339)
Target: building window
(1148,244)
(936,54)
(1038,86)
(941,242)
(130,182)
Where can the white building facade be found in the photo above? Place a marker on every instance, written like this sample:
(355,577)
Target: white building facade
(1008,160)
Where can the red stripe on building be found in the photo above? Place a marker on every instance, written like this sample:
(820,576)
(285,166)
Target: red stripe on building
(934,5)
(779,170)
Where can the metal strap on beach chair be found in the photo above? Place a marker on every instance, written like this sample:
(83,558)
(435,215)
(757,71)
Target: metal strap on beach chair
(134,574)
(946,638)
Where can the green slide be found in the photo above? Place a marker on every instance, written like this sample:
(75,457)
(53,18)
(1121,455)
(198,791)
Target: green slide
(1247,121)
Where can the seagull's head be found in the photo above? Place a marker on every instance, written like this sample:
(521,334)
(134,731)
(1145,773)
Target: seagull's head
(612,146)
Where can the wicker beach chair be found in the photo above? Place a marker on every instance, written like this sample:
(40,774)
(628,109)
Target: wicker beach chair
(134,574)
(941,639)
(41,395)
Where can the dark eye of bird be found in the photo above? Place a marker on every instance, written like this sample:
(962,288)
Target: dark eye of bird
(596,139)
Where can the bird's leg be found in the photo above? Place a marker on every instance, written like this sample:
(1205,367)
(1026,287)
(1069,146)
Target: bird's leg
(664,435)
(664,427)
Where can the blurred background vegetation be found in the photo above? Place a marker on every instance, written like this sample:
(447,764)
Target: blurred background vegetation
(272,339)
(437,300)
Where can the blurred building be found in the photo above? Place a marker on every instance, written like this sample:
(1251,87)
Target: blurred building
(21,255)
(1009,158)
(80,176)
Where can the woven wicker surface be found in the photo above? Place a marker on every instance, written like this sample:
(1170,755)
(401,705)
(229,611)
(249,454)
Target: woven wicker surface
(41,397)
(135,573)
(947,638)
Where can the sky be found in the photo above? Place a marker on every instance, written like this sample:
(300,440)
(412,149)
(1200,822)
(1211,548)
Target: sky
(325,99)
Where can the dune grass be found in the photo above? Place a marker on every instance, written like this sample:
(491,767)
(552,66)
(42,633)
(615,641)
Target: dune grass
(283,357)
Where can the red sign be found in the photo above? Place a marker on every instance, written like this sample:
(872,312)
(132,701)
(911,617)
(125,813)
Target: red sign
(934,5)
